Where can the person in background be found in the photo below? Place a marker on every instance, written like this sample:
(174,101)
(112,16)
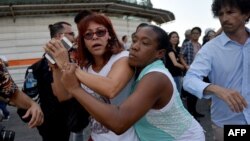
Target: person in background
(104,71)
(187,36)
(10,93)
(172,61)
(125,42)
(187,55)
(81,15)
(209,35)
(154,107)
(225,60)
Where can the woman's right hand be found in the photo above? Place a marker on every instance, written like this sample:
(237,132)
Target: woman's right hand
(58,51)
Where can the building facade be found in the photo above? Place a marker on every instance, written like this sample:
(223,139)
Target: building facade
(24,25)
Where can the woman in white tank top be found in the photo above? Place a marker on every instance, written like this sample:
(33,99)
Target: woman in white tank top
(104,71)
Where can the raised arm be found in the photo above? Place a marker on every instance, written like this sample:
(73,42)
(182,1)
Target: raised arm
(119,75)
(119,118)
(57,87)
(61,56)
(109,86)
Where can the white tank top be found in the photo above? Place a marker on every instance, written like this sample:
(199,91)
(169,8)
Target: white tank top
(98,131)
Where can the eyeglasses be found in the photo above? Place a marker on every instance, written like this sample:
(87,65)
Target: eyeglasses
(70,33)
(98,33)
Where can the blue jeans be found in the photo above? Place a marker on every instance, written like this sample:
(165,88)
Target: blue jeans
(3,107)
(178,82)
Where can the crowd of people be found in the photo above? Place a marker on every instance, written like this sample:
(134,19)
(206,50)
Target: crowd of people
(137,92)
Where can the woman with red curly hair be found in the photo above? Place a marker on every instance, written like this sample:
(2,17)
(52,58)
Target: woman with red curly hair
(103,70)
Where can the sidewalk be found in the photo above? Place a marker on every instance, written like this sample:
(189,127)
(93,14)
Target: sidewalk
(23,133)
(203,107)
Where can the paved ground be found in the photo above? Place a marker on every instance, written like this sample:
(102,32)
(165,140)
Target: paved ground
(23,133)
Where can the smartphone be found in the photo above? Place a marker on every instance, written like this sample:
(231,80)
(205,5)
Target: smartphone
(66,43)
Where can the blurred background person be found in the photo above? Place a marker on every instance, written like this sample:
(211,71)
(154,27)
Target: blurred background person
(209,35)
(172,60)
(187,35)
(187,55)
(125,42)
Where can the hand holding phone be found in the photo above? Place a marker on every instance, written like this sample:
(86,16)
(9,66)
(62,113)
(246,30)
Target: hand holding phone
(66,43)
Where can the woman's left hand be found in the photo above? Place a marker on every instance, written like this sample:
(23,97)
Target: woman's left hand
(69,78)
